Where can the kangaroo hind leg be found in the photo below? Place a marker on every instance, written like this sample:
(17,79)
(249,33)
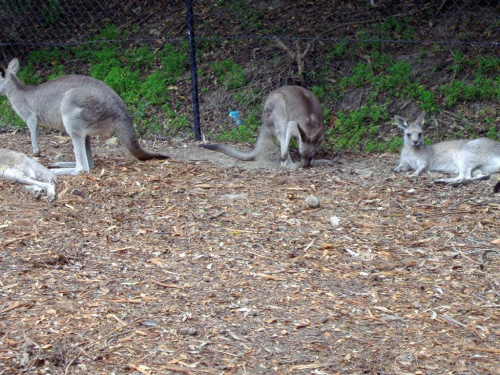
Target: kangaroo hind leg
(77,130)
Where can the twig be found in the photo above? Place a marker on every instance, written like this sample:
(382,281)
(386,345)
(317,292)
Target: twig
(9,242)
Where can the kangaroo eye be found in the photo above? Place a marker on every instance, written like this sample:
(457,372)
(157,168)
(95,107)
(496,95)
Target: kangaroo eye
(408,135)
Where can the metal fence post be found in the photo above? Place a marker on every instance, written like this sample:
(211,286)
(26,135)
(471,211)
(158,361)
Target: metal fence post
(194,72)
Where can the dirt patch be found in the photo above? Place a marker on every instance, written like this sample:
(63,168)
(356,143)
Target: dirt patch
(206,265)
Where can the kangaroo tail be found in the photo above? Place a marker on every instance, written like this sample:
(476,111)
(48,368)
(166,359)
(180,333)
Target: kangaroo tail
(245,155)
(496,189)
(127,136)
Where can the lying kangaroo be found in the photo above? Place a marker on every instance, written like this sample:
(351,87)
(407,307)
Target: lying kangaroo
(470,159)
(17,167)
(290,111)
(80,105)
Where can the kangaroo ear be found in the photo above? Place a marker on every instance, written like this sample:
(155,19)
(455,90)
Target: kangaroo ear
(13,65)
(317,136)
(420,120)
(401,122)
(303,135)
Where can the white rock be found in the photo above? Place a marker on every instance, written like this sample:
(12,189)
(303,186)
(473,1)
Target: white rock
(335,221)
(312,201)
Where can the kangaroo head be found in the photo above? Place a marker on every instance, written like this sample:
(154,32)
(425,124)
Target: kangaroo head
(309,145)
(12,68)
(413,133)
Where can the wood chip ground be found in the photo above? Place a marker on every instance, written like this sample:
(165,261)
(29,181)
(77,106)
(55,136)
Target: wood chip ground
(189,267)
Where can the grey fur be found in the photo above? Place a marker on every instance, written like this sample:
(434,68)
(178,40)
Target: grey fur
(17,167)
(79,105)
(289,111)
(469,159)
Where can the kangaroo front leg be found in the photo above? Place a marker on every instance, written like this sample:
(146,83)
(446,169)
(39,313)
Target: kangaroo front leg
(402,167)
(33,127)
(286,160)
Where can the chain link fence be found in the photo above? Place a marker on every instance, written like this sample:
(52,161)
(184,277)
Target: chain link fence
(276,42)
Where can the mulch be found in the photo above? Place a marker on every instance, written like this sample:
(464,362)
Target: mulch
(186,267)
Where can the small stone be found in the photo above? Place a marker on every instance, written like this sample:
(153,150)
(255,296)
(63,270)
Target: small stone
(189,331)
(312,201)
(335,221)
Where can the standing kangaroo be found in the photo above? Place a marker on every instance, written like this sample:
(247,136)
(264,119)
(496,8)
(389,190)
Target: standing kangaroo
(290,111)
(470,159)
(80,105)
(17,167)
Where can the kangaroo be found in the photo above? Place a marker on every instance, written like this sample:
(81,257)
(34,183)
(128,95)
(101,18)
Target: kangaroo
(289,111)
(80,105)
(17,167)
(469,159)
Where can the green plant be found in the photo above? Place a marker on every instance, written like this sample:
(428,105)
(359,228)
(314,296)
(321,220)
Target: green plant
(125,82)
(232,75)
(29,76)
(154,89)
(51,11)
(58,70)
(140,58)
(357,129)
(109,61)
(174,62)
(109,32)
(244,133)
(492,132)
(176,121)
(8,118)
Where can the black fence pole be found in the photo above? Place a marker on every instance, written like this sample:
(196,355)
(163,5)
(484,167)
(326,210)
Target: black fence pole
(194,72)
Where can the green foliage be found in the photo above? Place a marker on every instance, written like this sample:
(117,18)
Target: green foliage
(140,58)
(126,82)
(110,32)
(176,121)
(29,76)
(480,89)
(493,132)
(244,133)
(244,12)
(357,129)
(51,12)
(174,62)
(155,87)
(58,70)
(231,75)
(8,118)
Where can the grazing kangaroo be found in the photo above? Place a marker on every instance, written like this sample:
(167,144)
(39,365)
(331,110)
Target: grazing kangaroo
(80,105)
(290,111)
(17,167)
(469,159)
